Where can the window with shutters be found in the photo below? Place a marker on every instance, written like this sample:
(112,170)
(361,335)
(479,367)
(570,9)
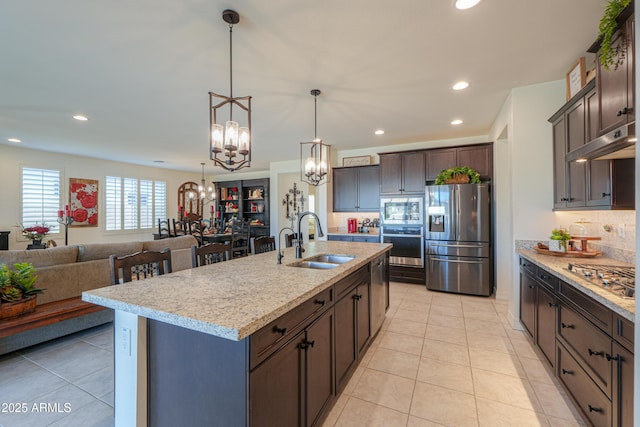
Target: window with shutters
(41,198)
(133,204)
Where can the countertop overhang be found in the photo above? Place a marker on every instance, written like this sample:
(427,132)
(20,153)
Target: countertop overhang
(559,267)
(234,299)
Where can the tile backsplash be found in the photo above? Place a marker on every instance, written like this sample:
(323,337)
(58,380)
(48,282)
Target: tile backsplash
(338,220)
(616,228)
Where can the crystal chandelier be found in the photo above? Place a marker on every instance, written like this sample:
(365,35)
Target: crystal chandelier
(315,162)
(230,144)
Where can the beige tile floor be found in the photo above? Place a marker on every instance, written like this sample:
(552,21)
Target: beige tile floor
(451,360)
(440,359)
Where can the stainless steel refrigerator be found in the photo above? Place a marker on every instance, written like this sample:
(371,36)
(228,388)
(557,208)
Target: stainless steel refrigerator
(458,238)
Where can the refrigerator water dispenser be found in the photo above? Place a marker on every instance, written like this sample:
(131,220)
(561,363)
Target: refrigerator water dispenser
(436,219)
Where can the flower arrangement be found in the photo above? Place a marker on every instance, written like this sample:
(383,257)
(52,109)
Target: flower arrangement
(37,232)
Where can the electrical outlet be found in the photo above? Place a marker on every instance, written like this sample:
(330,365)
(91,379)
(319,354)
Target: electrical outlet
(125,341)
(620,231)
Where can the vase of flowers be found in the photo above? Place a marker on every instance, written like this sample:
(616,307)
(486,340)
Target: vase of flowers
(35,233)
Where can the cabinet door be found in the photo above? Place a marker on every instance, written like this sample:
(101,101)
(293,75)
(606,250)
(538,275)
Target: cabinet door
(275,388)
(546,324)
(599,183)
(368,189)
(345,337)
(559,165)
(413,172)
(390,173)
(575,126)
(527,302)
(438,160)
(612,88)
(622,386)
(345,189)
(363,322)
(479,158)
(319,366)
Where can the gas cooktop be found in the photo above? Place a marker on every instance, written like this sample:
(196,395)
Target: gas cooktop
(616,279)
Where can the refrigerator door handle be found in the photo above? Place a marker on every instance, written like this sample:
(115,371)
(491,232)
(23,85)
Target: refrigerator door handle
(456,246)
(457,192)
(455,261)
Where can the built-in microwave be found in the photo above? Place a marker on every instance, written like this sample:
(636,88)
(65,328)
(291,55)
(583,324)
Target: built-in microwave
(401,210)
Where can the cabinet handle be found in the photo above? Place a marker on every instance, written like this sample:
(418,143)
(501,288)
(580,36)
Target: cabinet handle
(594,409)
(606,194)
(564,199)
(281,331)
(532,286)
(303,345)
(310,343)
(567,372)
(545,277)
(319,301)
(566,326)
(357,297)
(551,304)
(625,110)
(594,353)
(610,357)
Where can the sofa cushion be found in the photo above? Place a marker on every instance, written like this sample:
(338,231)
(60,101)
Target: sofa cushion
(180,242)
(60,282)
(93,251)
(41,257)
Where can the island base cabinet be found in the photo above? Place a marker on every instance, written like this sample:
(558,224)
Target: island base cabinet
(546,310)
(622,386)
(295,384)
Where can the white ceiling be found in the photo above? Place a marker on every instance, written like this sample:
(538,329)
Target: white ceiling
(141,71)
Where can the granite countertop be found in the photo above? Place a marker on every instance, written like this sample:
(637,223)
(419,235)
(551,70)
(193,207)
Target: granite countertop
(558,266)
(234,299)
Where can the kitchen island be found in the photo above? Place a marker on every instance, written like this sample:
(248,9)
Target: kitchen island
(244,342)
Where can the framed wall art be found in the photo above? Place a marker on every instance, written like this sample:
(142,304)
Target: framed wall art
(356,161)
(576,78)
(83,202)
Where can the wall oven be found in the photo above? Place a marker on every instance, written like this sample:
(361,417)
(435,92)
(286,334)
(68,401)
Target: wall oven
(401,210)
(408,249)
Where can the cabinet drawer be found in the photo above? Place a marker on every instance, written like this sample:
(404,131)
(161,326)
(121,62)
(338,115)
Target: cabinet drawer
(547,279)
(594,404)
(527,265)
(271,337)
(600,315)
(623,331)
(588,343)
(354,279)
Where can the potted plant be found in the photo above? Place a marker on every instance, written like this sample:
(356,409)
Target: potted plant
(558,240)
(458,175)
(35,234)
(17,290)
(608,26)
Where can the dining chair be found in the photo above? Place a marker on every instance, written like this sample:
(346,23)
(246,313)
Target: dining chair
(289,240)
(210,254)
(179,227)
(164,229)
(139,265)
(264,244)
(240,232)
(196,229)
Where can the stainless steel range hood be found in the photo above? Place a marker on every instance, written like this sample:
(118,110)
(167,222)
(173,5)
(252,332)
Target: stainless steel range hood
(617,144)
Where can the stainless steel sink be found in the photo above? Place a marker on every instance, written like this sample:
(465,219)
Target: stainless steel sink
(332,258)
(314,264)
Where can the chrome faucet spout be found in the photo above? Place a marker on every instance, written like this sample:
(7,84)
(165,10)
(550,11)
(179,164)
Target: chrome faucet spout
(299,248)
(280,250)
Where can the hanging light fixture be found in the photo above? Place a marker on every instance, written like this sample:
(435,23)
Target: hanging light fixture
(207,194)
(231,142)
(315,157)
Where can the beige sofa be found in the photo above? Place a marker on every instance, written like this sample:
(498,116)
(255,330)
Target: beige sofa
(65,272)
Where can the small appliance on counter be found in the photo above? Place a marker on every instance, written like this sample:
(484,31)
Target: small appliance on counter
(352,225)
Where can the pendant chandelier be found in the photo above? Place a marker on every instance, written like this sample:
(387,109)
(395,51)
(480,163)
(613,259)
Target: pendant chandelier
(230,144)
(315,161)
(207,194)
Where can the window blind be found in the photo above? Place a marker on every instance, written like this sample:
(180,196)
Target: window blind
(41,198)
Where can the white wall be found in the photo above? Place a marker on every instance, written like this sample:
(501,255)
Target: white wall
(13,158)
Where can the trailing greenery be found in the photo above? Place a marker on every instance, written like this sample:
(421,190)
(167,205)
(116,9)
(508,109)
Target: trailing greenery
(443,176)
(608,26)
(18,284)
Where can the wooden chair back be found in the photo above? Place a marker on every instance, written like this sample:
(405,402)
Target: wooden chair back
(240,232)
(210,254)
(164,229)
(196,229)
(264,244)
(179,227)
(139,265)
(289,239)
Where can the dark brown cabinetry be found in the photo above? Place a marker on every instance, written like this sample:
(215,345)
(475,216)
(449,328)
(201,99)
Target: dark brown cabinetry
(478,157)
(590,346)
(616,85)
(402,173)
(355,238)
(352,323)
(246,199)
(356,189)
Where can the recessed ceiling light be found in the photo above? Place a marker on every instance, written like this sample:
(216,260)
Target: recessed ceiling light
(14,140)
(460,86)
(466,4)
(456,122)
(379,132)
(80,117)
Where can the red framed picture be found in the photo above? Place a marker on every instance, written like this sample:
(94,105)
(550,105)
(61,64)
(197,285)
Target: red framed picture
(83,202)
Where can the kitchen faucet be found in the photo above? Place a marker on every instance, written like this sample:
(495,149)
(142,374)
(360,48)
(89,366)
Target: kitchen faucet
(299,248)
(280,251)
